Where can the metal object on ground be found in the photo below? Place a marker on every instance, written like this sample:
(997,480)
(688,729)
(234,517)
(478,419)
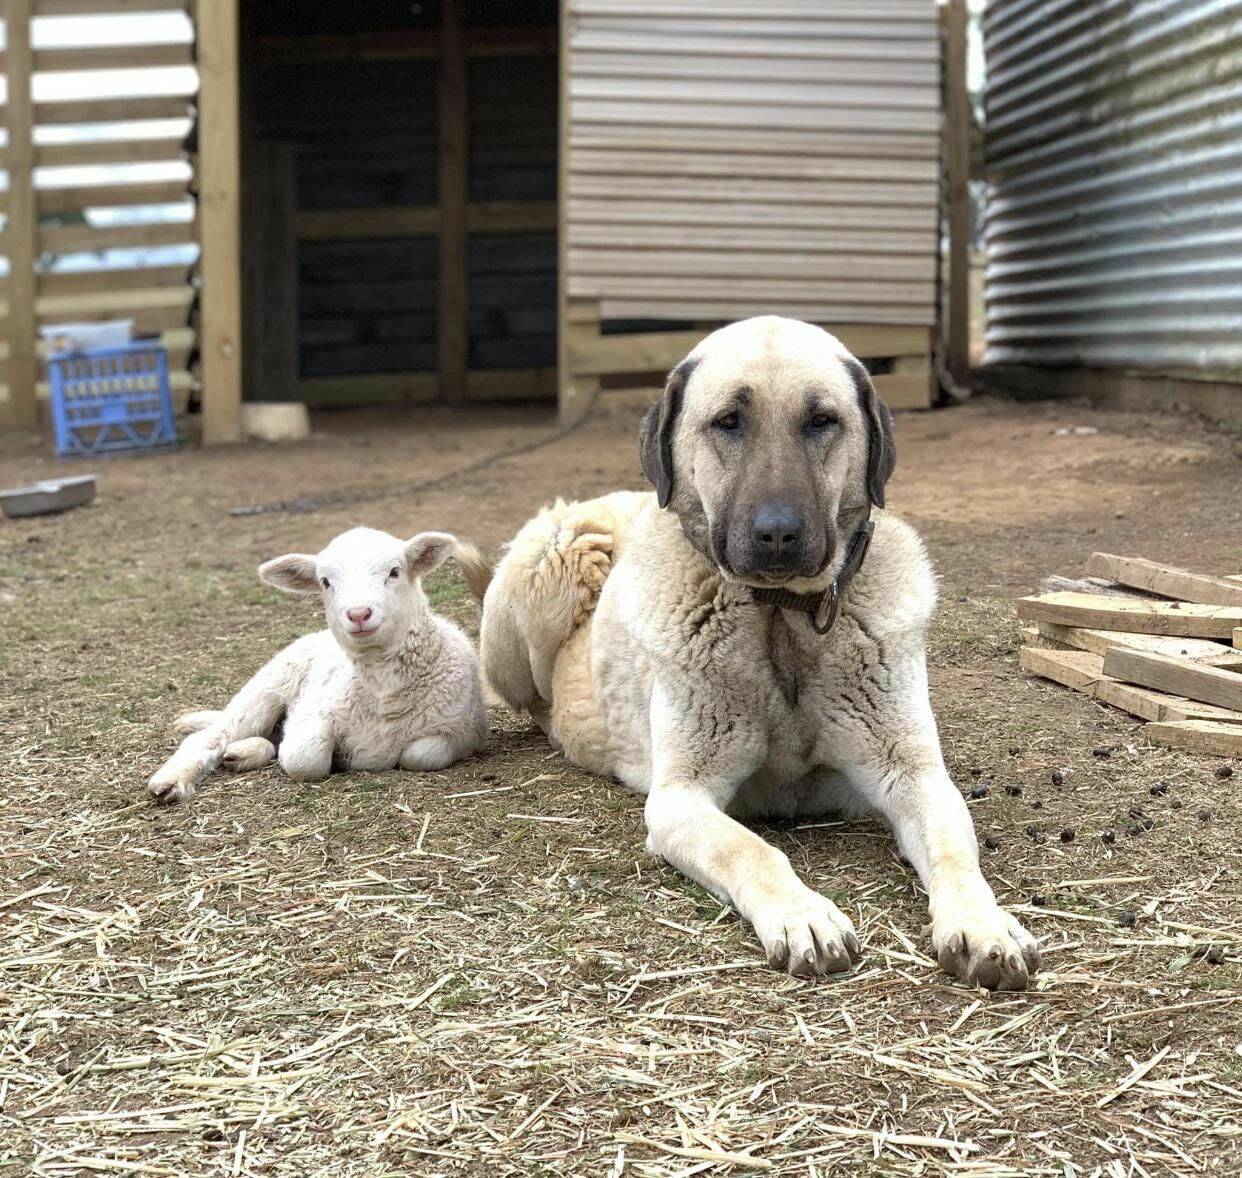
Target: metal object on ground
(48,496)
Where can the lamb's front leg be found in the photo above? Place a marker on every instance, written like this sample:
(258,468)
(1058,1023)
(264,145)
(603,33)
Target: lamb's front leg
(898,768)
(248,754)
(427,754)
(306,748)
(700,756)
(252,712)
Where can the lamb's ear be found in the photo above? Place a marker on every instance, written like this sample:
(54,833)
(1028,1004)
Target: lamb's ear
(427,551)
(294,573)
(655,435)
(881,453)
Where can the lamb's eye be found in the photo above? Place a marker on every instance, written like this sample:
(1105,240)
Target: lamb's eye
(728,422)
(823,421)
(325,582)
(394,573)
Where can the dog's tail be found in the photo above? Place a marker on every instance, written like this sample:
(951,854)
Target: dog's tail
(475,568)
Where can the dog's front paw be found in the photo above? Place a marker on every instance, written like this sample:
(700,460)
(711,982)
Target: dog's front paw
(806,934)
(983,944)
(171,785)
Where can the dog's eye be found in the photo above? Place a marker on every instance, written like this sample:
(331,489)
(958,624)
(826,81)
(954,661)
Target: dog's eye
(823,421)
(728,422)
(325,583)
(394,573)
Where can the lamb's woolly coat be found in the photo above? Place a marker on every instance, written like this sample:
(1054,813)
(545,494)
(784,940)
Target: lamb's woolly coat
(400,688)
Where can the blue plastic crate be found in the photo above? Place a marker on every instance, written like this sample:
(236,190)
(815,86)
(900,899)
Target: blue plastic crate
(110,399)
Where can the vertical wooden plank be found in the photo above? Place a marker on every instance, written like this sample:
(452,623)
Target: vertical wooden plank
(957,150)
(580,329)
(219,213)
(579,323)
(22,227)
(454,304)
(272,272)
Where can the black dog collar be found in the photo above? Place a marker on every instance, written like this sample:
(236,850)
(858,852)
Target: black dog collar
(824,605)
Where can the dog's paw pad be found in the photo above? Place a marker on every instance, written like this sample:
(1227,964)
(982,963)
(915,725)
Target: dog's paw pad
(806,935)
(990,949)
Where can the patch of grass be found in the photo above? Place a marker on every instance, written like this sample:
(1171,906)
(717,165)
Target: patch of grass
(446,588)
(460,997)
(360,787)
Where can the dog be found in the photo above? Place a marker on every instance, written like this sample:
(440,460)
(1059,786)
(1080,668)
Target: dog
(749,642)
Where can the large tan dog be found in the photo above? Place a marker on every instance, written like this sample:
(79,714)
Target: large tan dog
(723,647)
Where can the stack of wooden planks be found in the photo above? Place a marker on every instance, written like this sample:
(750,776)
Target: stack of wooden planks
(1160,642)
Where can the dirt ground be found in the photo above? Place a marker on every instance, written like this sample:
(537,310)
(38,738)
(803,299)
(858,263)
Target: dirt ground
(481,971)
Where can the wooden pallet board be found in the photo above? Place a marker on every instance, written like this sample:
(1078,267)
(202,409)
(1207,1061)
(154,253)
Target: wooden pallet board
(1198,736)
(1200,650)
(1084,672)
(1137,617)
(1176,675)
(1070,668)
(1148,704)
(1167,580)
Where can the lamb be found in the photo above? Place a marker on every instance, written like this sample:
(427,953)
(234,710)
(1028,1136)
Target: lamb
(389,683)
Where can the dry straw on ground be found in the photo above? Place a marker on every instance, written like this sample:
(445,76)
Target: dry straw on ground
(481,972)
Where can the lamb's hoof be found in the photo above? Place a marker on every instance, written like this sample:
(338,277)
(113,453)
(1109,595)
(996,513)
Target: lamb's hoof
(170,788)
(252,753)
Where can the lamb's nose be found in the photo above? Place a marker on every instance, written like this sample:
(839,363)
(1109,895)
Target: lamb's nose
(359,617)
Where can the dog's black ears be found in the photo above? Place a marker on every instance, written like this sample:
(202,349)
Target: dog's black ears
(881,452)
(655,434)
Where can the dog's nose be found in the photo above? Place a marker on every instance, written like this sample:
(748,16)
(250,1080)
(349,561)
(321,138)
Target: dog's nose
(777,530)
(359,617)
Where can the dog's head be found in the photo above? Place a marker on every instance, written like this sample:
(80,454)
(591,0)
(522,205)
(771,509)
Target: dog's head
(771,445)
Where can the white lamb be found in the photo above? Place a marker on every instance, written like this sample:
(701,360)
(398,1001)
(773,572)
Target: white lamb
(388,683)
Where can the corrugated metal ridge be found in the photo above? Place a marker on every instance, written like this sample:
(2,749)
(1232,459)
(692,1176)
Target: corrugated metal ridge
(1163,48)
(1081,281)
(1075,150)
(1048,22)
(1177,36)
(1113,198)
(1118,232)
(1126,184)
(1208,241)
(1114,147)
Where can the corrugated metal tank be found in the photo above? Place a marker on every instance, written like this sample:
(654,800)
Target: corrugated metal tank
(1114,151)
(736,157)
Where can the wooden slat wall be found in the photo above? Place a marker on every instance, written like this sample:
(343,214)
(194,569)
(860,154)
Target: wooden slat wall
(363,135)
(366,141)
(157,295)
(733,158)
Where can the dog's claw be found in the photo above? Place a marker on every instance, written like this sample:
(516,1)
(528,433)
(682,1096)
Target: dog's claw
(994,950)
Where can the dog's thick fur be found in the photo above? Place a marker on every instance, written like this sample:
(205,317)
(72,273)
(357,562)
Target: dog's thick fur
(628,627)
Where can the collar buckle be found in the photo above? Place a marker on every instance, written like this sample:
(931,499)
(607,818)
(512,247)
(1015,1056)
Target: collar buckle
(826,614)
(824,607)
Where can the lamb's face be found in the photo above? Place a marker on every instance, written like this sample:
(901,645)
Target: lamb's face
(369,582)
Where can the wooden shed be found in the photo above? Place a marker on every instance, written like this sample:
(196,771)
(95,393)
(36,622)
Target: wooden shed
(476,200)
